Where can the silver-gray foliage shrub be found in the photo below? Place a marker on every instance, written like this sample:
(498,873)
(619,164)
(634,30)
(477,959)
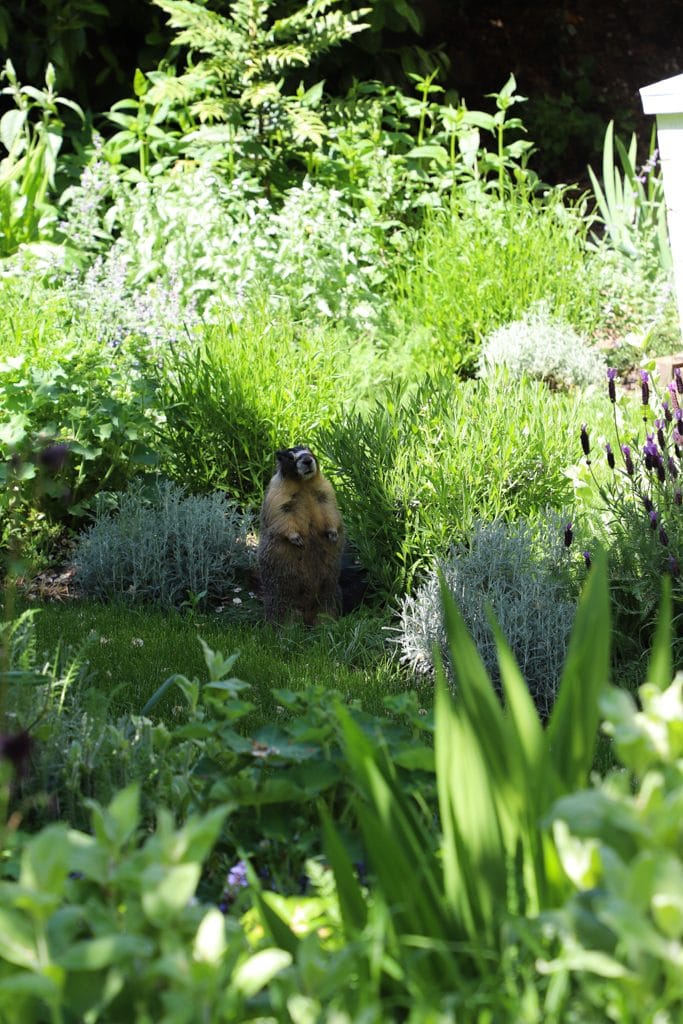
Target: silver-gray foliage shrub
(162,545)
(544,347)
(519,573)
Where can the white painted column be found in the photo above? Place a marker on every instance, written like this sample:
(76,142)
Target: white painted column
(665,100)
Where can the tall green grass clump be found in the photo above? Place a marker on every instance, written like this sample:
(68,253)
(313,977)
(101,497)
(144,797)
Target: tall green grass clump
(481,264)
(246,390)
(416,470)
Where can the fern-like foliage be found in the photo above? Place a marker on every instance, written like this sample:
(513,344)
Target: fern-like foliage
(239,64)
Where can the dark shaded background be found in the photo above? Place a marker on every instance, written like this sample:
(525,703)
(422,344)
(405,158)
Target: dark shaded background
(579,63)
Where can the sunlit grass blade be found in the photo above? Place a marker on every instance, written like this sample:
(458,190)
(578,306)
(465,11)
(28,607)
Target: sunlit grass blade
(660,667)
(573,726)
(351,903)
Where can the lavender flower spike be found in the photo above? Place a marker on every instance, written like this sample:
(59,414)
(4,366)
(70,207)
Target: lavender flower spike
(644,386)
(611,387)
(628,461)
(585,441)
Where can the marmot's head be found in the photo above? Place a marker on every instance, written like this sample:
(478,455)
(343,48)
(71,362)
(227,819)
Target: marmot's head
(297,463)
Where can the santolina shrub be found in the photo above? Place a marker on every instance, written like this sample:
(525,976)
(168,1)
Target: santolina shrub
(162,545)
(520,574)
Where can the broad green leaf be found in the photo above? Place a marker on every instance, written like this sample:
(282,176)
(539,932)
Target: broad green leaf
(165,891)
(17,938)
(104,950)
(210,942)
(254,974)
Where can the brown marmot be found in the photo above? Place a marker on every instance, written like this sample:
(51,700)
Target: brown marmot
(301,541)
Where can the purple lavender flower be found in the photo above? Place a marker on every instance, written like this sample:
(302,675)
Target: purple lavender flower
(661,440)
(673,468)
(568,535)
(673,566)
(237,876)
(678,497)
(587,559)
(651,453)
(611,387)
(667,411)
(628,461)
(644,387)
(653,519)
(678,380)
(663,536)
(585,441)
(610,455)
(647,503)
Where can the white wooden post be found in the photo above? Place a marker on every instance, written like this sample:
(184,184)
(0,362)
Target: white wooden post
(665,100)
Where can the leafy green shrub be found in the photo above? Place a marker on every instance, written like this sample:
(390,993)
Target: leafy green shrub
(481,264)
(422,465)
(542,346)
(619,842)
(162,545)
(71,425)
(519,574)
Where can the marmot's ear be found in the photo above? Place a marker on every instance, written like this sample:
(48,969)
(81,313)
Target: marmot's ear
(283,453)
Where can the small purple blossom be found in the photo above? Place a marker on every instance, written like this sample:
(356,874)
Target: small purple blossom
(611,387)
(666,409)
(628,461)
(587,559)
(661,440)
(237,876)
(610,455)
(678,380)
(585,441)
(671,388)
(653,519)
(568,535)
(644,386)
(673,468)
(673,566)
(663,536)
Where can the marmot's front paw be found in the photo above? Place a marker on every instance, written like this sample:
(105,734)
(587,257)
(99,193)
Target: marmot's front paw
(332,536)
(296,539)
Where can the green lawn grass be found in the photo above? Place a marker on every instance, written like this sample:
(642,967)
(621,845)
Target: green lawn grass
(131,651)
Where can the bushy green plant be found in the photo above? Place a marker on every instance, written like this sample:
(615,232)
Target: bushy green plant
(236,97)
(163,545)
(518,574)
(619,842)
(480,264)
(70,426)
(416,470)
(542,346)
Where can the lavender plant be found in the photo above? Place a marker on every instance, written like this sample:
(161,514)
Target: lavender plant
(635,480)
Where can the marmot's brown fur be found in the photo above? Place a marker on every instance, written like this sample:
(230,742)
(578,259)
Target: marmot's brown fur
(301,541)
